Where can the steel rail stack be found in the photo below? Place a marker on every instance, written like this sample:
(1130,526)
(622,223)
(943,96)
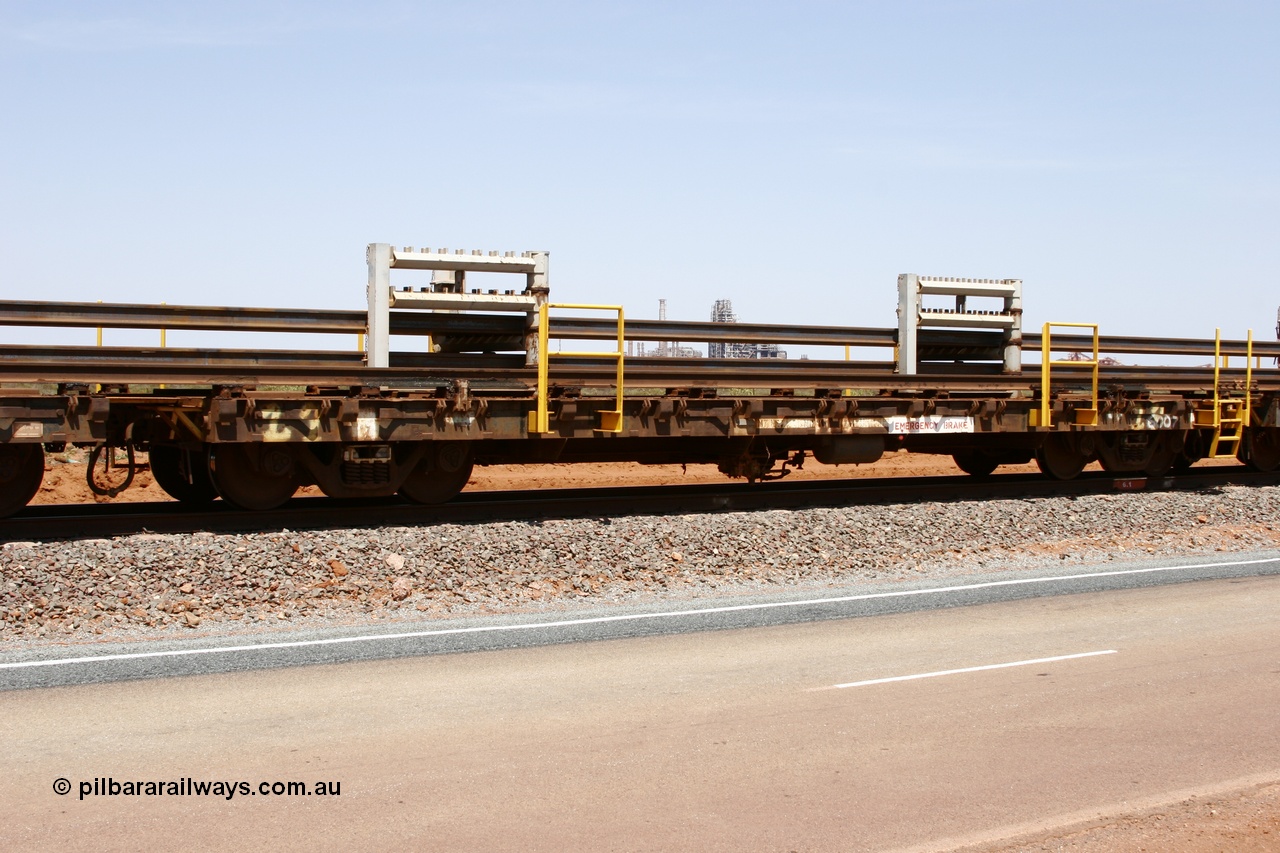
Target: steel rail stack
(472,379)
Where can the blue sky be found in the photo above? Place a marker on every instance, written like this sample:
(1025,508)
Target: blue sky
(1119,157)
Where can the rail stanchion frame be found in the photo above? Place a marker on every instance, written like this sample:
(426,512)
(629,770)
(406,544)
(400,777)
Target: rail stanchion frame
(540,418)
(1046,372)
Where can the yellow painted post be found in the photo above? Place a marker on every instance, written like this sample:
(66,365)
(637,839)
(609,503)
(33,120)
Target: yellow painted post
(1248,380)
(617,427)
(544,422)
(1045,350)
(99,329)
(1217,397)
(1046,363)
(1096,363)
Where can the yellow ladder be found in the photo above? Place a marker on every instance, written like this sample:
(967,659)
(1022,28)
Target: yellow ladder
(1230,415)
(540,418)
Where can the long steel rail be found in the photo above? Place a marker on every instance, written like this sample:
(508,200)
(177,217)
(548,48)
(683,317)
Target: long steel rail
(45,364)
(62,522)
(86,365)
(203,317)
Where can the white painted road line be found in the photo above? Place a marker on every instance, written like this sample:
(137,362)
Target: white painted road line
(966,669)
(629,617)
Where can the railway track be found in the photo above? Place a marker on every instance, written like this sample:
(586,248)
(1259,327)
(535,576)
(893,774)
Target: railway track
(79,521)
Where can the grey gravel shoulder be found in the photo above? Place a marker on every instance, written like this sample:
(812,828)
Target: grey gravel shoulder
(94,594)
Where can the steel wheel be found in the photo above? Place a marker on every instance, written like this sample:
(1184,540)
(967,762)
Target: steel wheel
(1263,449)
(1165,453)
(254,477)
(21,472)
(975,463)
(183,474)
(1192,452)
(441,474)
(1059,458)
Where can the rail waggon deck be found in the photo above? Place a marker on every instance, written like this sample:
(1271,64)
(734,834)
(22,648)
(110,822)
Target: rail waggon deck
(480,384)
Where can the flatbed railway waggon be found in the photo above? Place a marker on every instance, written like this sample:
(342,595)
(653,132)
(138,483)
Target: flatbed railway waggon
(438,375)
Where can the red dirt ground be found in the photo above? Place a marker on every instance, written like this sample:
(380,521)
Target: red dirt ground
(65,482)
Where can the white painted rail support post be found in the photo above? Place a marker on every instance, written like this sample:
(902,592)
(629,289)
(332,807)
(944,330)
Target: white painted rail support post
(378,340)
(540,288)
(912,316)
(908,322)
(1013,334)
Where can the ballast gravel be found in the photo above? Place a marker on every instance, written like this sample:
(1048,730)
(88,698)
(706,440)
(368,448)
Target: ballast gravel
(148,585)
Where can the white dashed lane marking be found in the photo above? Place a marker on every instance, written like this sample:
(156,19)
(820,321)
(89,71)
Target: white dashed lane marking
(918,675)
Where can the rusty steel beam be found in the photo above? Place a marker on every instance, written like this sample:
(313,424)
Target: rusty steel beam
(422,370)
(578,328)
(44,364)
(85,356)
(1119,345)
(251,376)
(755,373)
(128,316)
(697,332)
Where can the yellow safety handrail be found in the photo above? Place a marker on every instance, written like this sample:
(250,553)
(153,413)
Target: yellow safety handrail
(540,418)
(1046,365)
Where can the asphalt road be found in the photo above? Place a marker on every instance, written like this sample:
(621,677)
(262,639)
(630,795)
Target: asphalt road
(52,666)
(908,730)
